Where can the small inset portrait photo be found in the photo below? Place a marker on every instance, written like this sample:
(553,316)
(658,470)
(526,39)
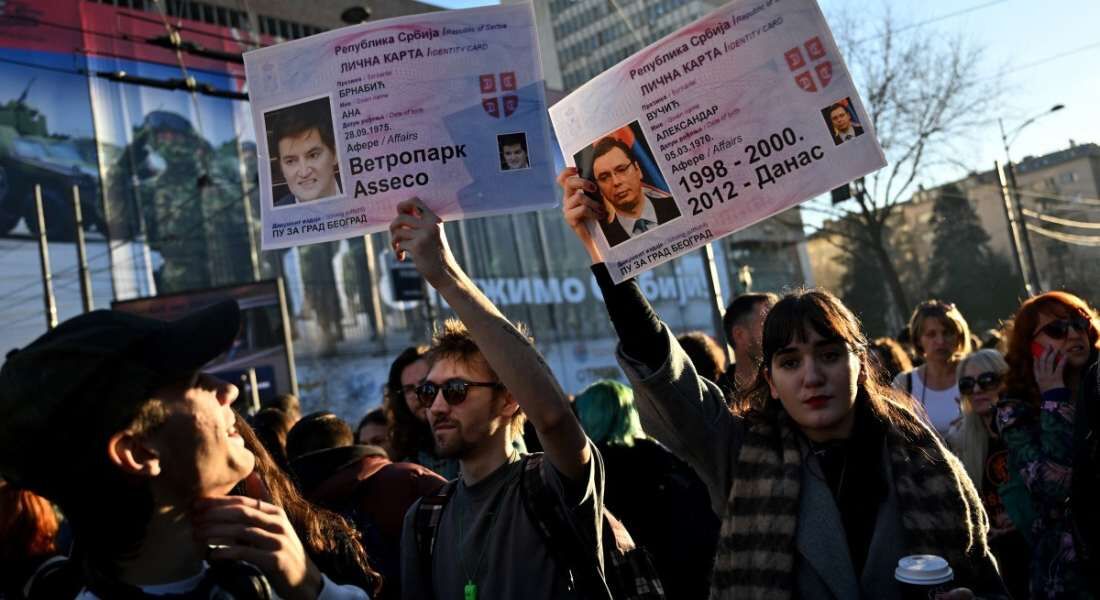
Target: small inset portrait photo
(513,151)
(842,120)
(304,164)
(631,187)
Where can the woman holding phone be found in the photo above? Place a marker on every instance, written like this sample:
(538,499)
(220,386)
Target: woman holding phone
(1054,340)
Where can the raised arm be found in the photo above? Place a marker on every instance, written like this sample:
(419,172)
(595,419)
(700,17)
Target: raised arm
(685,412)
(418,232)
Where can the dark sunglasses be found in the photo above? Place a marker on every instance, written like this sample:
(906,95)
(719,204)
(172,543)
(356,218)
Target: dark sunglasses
(454,390)
(1058,330)
(986,382)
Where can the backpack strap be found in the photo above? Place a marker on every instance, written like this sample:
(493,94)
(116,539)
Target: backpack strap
(909,383)
(577,557)
(429,513)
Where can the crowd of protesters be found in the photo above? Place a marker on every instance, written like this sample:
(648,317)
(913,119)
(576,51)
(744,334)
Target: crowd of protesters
(806,468)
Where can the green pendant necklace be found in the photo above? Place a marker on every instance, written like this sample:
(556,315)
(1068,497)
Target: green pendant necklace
(469,591)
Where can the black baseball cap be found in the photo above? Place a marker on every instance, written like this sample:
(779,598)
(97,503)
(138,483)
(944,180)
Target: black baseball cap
(53,390)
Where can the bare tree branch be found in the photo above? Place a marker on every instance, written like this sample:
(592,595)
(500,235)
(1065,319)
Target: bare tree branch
(923,96)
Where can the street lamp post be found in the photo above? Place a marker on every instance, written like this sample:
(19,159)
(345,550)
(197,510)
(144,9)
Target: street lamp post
(1006,140)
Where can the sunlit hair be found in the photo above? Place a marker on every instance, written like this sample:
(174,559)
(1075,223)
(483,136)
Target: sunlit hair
(331,542)
(28,525)
(892,357)
(705,353)
(949,316)
(1020,382)
(606,411)
(790,321)
(970,440)
(408,433)
(452,341)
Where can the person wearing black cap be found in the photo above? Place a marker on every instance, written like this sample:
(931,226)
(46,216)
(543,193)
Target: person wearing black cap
(110,417)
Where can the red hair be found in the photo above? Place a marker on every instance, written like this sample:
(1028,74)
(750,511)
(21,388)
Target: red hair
(1020,382)
(28,525)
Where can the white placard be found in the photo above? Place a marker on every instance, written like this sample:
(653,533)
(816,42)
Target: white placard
(730,120)
(448,106)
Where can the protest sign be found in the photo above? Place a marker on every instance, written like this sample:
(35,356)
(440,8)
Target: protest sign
(447,106)
(728,121)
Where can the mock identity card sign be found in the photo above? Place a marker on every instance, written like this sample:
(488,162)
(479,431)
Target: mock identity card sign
(447,106)
(741,115)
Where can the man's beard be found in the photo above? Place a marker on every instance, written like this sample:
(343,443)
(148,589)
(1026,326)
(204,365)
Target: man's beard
(457,447)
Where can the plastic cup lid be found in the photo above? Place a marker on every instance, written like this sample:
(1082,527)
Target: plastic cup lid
(923,569)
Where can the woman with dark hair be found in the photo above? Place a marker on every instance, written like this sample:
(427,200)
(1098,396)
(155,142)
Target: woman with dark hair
(329,541)
(707,356)
(1053,341)
(941,337)
(823,476)
(410,436)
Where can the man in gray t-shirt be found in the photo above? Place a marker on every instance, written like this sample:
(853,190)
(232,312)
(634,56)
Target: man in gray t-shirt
(485,378)
(486,536)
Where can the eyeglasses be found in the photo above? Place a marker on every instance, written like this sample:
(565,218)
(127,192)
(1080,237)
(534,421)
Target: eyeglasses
(408,388)
(454,390)
(619,170)
(1058,330)
(985,382)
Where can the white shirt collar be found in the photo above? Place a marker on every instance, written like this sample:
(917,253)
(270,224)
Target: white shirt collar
(648,213)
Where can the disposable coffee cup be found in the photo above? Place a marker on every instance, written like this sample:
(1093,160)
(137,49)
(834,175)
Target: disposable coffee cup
(923,576)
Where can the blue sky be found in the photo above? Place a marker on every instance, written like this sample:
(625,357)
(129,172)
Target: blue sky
(1049,53)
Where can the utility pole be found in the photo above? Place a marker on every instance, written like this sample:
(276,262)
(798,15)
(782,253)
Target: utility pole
(1033,271)
(82,255)
(1021,239)
(1013,228)
(44,260)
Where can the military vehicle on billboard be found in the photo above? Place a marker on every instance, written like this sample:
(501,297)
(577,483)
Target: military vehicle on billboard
(29,155)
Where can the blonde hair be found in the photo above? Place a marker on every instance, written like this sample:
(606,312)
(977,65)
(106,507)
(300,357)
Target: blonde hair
(970,440)
(947,314)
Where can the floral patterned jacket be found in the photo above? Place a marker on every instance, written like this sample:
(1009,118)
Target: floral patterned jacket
(1040,447)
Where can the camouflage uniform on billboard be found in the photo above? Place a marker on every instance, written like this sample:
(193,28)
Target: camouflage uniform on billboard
(167,180)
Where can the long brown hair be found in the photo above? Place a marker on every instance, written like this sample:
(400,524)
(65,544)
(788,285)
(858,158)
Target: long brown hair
(331,542)
(408,434)
(1020,382)
(831,319)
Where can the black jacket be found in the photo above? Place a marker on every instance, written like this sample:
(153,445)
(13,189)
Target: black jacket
(1085,486)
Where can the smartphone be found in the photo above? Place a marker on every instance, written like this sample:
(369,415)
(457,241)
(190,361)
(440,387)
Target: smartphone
(1037,349)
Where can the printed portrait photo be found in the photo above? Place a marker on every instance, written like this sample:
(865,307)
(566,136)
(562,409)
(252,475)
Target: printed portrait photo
(842,120)
(304,164)
(513,151)
(628,182)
